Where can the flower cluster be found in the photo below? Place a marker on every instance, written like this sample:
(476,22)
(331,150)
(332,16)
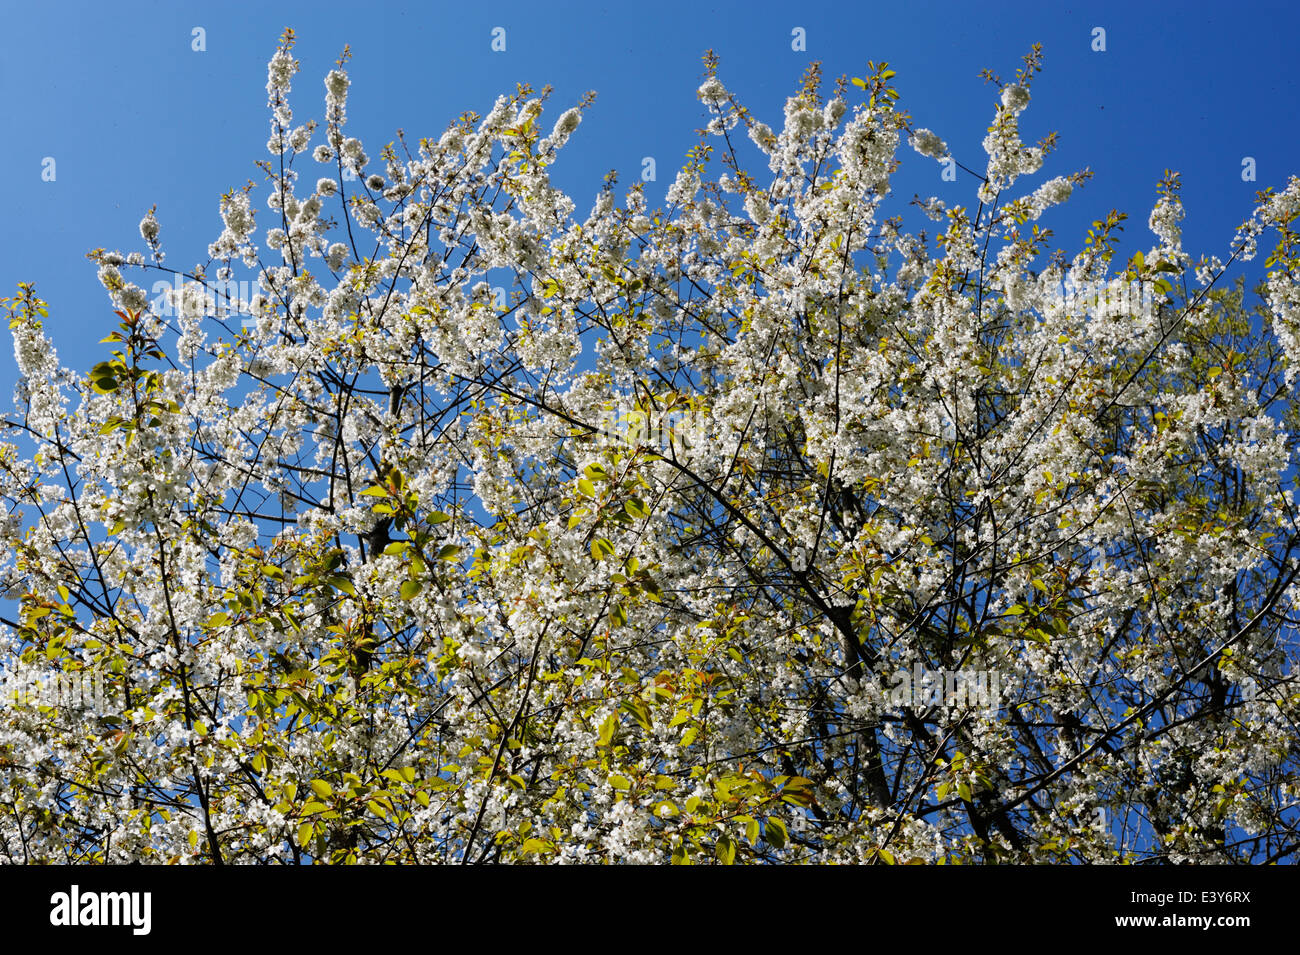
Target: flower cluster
(375,567)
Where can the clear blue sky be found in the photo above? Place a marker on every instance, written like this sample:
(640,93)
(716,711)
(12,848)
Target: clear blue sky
(133,117)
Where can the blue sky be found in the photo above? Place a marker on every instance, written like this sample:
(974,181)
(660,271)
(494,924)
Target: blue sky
(134,117)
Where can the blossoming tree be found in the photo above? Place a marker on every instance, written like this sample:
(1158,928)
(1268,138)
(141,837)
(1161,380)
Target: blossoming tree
(753,528)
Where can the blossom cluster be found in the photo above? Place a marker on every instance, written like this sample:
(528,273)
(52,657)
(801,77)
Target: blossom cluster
(612,567)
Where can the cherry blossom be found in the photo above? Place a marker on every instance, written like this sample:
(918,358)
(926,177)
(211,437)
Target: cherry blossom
(484,532)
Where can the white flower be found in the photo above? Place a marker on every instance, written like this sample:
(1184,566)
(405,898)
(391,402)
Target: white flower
(834,111)
(1015,98)
(564,127)
(149,228)
(336,85)
(238,214)
(762,136)
(1163,222)
(280,72)
(929,144)
(110,278)
(1051,193)
(134,298)
(336,256)
(567,123)
(712,91)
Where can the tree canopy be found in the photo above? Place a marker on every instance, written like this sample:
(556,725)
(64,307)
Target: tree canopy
(427,522)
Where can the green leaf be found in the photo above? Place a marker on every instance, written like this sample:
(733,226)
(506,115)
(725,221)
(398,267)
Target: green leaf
(322,788)
(650,586)
(798,792)
(341,583)
(639,711)
(601,548)
(607,730)
(618,616)
(776,833)
(410,589)
(726,850)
